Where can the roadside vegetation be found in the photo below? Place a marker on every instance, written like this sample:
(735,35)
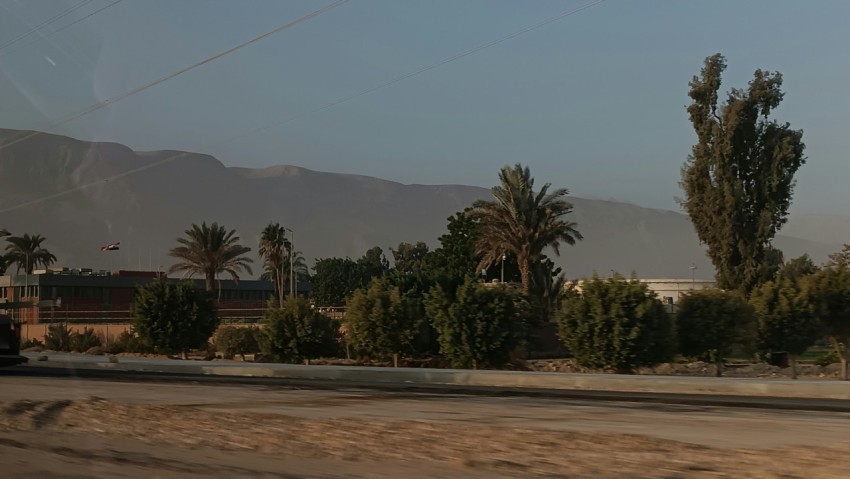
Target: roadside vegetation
(482,296)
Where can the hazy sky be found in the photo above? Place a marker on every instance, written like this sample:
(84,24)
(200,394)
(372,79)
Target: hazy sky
(594,102)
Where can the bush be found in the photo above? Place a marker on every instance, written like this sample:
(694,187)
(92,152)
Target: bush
(831,357)
(32,343)
(128,342)
(296,332)
(174,317)
(58,337)
(711,323)
(481,325)
(82,342)
(381,323)
(616,323)
(233,340)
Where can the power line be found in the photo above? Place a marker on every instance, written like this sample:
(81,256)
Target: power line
(45,23)
(421,70)
(63,27)
(146,86)
(319,109)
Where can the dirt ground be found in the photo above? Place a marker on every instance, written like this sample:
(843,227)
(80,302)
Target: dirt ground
(96,437)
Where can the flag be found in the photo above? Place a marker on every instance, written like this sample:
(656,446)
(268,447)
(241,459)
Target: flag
(110,246)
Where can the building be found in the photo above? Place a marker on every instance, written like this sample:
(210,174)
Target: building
(85,295)
(670,291)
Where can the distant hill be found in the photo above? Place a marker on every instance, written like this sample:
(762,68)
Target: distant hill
(150,198)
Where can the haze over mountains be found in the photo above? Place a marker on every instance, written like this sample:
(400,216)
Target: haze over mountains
(146,200)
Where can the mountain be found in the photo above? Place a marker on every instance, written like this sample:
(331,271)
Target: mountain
(81,195)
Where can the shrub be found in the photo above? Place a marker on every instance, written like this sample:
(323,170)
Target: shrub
(710,323)
(32,343)
(233,340)
(616,323)
(381,323)
(786,319)
(297,331)
(481,325)
(128,342)
(58,337)
(831,357)
(174,317)
(82,342)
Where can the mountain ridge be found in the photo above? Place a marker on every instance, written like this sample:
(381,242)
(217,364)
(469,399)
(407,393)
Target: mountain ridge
(333,214)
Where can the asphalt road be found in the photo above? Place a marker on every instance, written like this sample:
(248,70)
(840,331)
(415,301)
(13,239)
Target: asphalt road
(723,426)
(757,402)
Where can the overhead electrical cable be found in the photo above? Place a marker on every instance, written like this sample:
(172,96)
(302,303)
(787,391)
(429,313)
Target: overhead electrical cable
(63,27)
(43,24)
(146,86)
(316,110)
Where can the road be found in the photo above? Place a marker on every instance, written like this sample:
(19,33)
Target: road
(120,428)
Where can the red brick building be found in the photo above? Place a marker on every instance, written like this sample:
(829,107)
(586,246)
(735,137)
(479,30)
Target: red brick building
(84,295)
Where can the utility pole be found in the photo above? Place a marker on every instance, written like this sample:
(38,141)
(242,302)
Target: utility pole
(292,285)
(693,268)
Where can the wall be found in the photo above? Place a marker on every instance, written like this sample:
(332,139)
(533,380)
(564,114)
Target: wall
(107,331)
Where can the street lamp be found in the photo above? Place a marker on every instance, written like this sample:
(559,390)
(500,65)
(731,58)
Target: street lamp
(292,285)
(504,257)
(693,268)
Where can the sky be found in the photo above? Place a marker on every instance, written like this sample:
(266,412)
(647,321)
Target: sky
(594,101)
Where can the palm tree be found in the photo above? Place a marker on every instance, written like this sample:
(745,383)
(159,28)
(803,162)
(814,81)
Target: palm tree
(298,263)
(522,222)
(26,252)
(274,250)
(209,251)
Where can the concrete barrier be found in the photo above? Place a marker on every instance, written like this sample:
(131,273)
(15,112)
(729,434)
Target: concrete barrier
(455,377)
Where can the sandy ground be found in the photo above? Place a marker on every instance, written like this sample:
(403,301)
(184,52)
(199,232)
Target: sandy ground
(83,428)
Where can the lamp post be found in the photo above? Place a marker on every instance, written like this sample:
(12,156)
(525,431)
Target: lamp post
(292,286)
(693,268)
(504,257)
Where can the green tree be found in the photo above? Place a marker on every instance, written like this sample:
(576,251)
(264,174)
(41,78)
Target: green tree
(335,280)
(829,293)
(373,264)
(480,325)
(380,323)
(522,222)
(174,317)
(616,323)
(840,259)
(410,259)
(26,252)
(274,249)
(233,340)
(711,323)
(739,179)
(209,251)
(297,332)
(786,319)
(798,268)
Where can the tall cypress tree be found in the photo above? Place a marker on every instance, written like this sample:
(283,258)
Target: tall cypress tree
(739,179)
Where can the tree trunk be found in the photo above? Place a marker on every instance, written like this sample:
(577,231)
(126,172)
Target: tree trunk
(185,354)
(280,287)
(841,349)
(525,275)
(395,360)
(792,361)
(210,282)
(718,367)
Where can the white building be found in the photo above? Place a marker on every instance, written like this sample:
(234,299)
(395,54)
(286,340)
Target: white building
(670,291)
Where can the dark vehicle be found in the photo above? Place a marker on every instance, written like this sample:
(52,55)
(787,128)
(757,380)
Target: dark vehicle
(10,342)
